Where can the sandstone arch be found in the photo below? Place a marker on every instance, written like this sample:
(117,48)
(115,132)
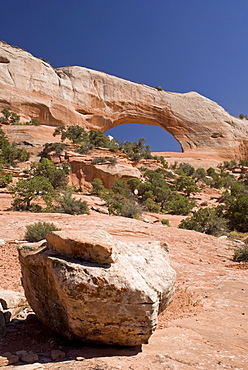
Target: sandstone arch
(77,95)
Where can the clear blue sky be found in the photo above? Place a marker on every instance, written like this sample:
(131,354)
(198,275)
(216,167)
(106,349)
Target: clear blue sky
(180,45)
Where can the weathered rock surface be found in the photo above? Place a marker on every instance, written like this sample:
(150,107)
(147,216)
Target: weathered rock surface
(90,245)
(77,95)
(11,303)
(114,304)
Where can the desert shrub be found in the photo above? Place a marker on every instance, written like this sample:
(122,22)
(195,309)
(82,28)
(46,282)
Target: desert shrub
(5,180)
(133,183)
(119,200)
(186,184)
(211,171)
(10,153)
(74,133)
(200,174)
(237,213)
(85,139)
(216,181)
(227,179)
(118,205)
(25,191)
(58,177)
(121,187)
(151,206)
(243,163)
(38,231)
(136,150)
(58,148)
(238,188)
(9,116)
(164,162)
(186,169)
(179,205)
(227,165)
(241,254)
(206,220)
(159,88)
(97,187)
(70,205)
(112,161)
(98,139)
(165,221)
(99,160)
(32,122)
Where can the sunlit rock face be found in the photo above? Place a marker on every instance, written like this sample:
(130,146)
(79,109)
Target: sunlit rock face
(86,284)
(92,99)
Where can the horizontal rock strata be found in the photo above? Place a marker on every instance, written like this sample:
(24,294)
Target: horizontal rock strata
(91,99)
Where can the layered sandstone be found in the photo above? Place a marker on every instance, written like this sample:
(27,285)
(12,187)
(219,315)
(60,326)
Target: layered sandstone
(92,99)
(88,285)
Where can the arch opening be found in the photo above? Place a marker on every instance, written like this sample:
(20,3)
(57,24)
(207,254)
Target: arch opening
(158,138)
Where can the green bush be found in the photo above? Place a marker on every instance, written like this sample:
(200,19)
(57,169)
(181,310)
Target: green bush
(25,191)
(10,153)
(68,204)
(179,205)
(185,169)
(85,139)
(99,160)
(38,231)
(200,174)
(58,148)
(97,187)
(9,116)
(206,220)
(241,254)
(58,177)
(165,221)
(152,206)
(136,150)
(112,161)
(5,180)
(118,205)
(186,184)
(237,213)
(159,88)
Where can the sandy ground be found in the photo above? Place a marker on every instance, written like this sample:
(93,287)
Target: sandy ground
(204,328)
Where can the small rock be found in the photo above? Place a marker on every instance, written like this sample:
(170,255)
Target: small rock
(45,360)
(29,357)
(2,242)
(31,318)
(21,353)
(80,358)
(145,220)
(56,354)
(3,361)
(12,358)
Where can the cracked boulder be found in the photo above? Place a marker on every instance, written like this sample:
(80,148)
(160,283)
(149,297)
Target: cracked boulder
(90,286)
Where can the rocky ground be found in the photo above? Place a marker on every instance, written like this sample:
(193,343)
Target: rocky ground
(204,328)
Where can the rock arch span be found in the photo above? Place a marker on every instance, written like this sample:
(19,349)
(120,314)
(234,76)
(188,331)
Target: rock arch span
(92,99)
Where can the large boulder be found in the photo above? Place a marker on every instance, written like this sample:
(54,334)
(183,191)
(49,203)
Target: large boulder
(90,286)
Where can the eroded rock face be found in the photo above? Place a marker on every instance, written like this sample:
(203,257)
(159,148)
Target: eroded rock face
(115,303)
(77,95)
